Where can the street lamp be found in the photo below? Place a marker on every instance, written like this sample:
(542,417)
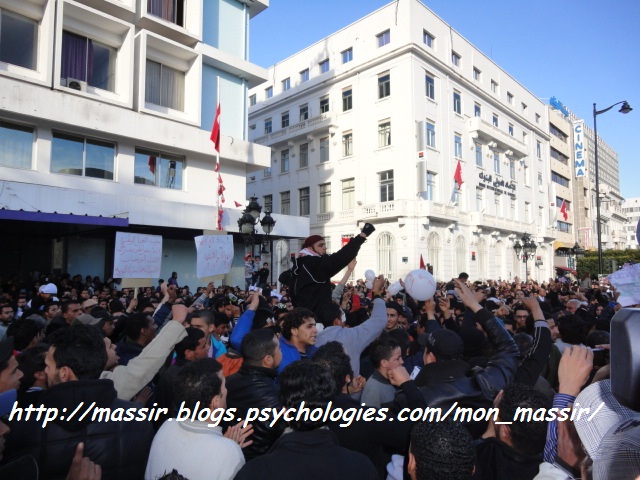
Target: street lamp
(626,108)
(577,251)
(525,251)
(248,221)
(267,224)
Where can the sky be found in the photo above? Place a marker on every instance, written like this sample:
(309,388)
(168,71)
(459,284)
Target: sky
(581,52)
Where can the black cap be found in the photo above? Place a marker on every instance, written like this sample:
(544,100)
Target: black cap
(395,306)
(444,344)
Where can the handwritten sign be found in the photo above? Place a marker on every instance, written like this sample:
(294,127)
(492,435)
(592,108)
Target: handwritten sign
(627,281)
(137,256)
(215,254)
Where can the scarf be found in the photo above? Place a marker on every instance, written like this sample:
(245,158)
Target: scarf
(307,252)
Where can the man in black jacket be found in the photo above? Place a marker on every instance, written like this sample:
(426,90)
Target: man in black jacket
(255,387)
(74,363)
(314,269)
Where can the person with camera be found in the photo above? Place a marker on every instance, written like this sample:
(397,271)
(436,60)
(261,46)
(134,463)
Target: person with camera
(314,269)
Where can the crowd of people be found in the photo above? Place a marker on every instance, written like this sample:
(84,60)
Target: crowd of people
(76,347)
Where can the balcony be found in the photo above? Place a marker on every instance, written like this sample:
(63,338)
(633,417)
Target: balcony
(487,133)
(320,124)
(493,222)
(324,217)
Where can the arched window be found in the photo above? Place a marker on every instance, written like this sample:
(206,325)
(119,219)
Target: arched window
(386,255)
(483,260)
(433,244)
(461,254)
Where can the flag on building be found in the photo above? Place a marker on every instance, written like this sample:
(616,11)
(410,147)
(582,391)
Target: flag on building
(563,210)
(458,175)
(238,204)
(215,131)
(423,266)
(152,164)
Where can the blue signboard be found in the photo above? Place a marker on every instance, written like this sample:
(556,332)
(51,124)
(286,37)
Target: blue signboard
(557,104)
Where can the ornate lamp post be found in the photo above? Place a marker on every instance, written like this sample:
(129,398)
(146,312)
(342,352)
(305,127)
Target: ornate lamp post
(525,251)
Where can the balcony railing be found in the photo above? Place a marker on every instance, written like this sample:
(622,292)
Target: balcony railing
(320,122)
(478,128)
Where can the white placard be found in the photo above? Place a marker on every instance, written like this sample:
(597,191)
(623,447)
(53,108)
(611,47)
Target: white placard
(215,255)
(627,282)
(137,256)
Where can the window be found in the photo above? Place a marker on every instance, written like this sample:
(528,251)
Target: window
(525,139)
(431,186)
(431,135)
(498,201)
(477,74)
(540,179)
(511,130)
(304,75)
(304,112)
(539,150)
(88,61)
(286,84)
(325,198)
(285,119)
(555,154)
(267,126)
(478,154)
(347,99)
(479,199)
(84,157)
(348,193)
(324,149)
(304,201)
(457,103)
(284,161)
(170,10)
(559,179)
(16,145)
(324,105)
(428,39)
(477,110)
(347,144)
(304,155)
(557,133)
(564,226)
(512,170)
(347,55)
(384,134)
(524,108)
(18,40)
(527,175)
(495,120)
(164,86)
(455,59)
(537,118)
(510,98)
(158,169)
(430,87)
(285,203)
(457,145)
(384,85)
(386,186)
(512,211)
(268,92)
(267,172)
(494,86)
(384,38)
(252,100)
(267,201)
(496,162)
(527,212)
(324,66)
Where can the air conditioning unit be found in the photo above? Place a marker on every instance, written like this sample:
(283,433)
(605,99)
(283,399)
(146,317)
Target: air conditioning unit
(75,84)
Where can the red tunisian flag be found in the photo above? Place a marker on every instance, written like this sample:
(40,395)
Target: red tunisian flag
(215,131)
(422,264)
(458,175)
(152,164)
(563,210)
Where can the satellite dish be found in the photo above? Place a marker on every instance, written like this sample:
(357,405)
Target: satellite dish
(282,250)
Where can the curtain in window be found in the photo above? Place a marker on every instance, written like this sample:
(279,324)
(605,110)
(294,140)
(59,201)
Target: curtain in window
(163,9)
(172,88)
(152,83)
(74,56)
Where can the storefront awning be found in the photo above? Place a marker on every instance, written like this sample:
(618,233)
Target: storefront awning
(63,218)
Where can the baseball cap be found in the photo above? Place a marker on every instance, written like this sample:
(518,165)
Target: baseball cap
(89,303)
(7,399)
(49,288)
(444,344)
(87,319)
(611,435)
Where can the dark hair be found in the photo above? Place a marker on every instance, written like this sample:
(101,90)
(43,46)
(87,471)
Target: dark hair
(173,475)
(597,337)
(294,319)
(190,342)
(382,349)
(443,451)
(135,324)
(23,332)
(31,361)
(81,348)
(527,437)
(572,329)
(115,306)
(524,342)
(205,315)
(328,313)
(198,381)
(332,355)
(308,382)
(64,306)
(220,318)
(257,344)
(401,336)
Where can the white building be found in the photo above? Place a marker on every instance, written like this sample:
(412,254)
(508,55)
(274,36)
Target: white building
(631,209)
(105,118)
(370,124)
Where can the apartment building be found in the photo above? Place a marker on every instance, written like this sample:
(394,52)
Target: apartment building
(631,209)
(107,109)
(400,121)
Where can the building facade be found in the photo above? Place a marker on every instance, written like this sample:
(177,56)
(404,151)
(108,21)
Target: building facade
(105,121)
(631,209)
(399,121)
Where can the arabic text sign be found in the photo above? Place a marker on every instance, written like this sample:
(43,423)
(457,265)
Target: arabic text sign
(137,256)
(627,281)
(215,254)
